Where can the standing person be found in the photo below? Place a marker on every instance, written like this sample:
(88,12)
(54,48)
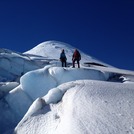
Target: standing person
(63,58)
(76,57)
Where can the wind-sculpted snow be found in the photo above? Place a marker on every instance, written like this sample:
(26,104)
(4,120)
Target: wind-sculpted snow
(87,107)
(6,87)
(37,83)
(56,100)
(12,65)
(13,106)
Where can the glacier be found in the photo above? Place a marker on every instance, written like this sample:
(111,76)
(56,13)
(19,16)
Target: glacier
(50,99)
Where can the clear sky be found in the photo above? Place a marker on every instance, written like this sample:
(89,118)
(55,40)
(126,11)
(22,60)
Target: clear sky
(102,29)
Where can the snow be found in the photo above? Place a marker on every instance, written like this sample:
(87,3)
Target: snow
(87,107)
(52,50)
(50,77)
(13,64)
(50,99)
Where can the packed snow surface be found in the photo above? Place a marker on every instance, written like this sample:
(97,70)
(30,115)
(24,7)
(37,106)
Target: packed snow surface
(38,96)
(87,107)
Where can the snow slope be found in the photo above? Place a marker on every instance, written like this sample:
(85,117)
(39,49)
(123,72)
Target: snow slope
(52,50)
(88,107)
(49,99)
(14,64)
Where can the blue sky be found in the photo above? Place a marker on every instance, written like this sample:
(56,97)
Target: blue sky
(102,29)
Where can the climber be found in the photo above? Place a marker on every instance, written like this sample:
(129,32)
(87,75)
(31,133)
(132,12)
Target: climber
(63,58)
(76,57)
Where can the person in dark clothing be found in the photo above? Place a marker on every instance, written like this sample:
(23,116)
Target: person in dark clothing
(63,58)
(76,57)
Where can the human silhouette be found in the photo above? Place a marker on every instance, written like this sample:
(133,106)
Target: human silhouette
(76,57)
(63,58)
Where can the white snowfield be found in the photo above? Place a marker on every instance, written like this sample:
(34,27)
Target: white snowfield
(93,99)
(87,107)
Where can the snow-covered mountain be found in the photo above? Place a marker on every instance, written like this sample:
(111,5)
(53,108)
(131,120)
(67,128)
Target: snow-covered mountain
(38,96)
(52,49)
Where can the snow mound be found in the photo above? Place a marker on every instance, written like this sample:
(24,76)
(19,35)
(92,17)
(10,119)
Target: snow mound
(52,50)
(38,82)
(87,106)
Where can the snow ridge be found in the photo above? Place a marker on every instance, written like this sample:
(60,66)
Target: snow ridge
(39,96)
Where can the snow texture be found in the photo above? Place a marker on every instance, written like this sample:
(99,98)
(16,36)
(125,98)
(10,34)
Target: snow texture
(38,96)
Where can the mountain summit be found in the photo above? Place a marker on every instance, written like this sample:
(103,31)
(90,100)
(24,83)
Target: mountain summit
(52,50)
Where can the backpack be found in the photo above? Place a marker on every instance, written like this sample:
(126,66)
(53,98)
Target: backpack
(76,55)
(63,56)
